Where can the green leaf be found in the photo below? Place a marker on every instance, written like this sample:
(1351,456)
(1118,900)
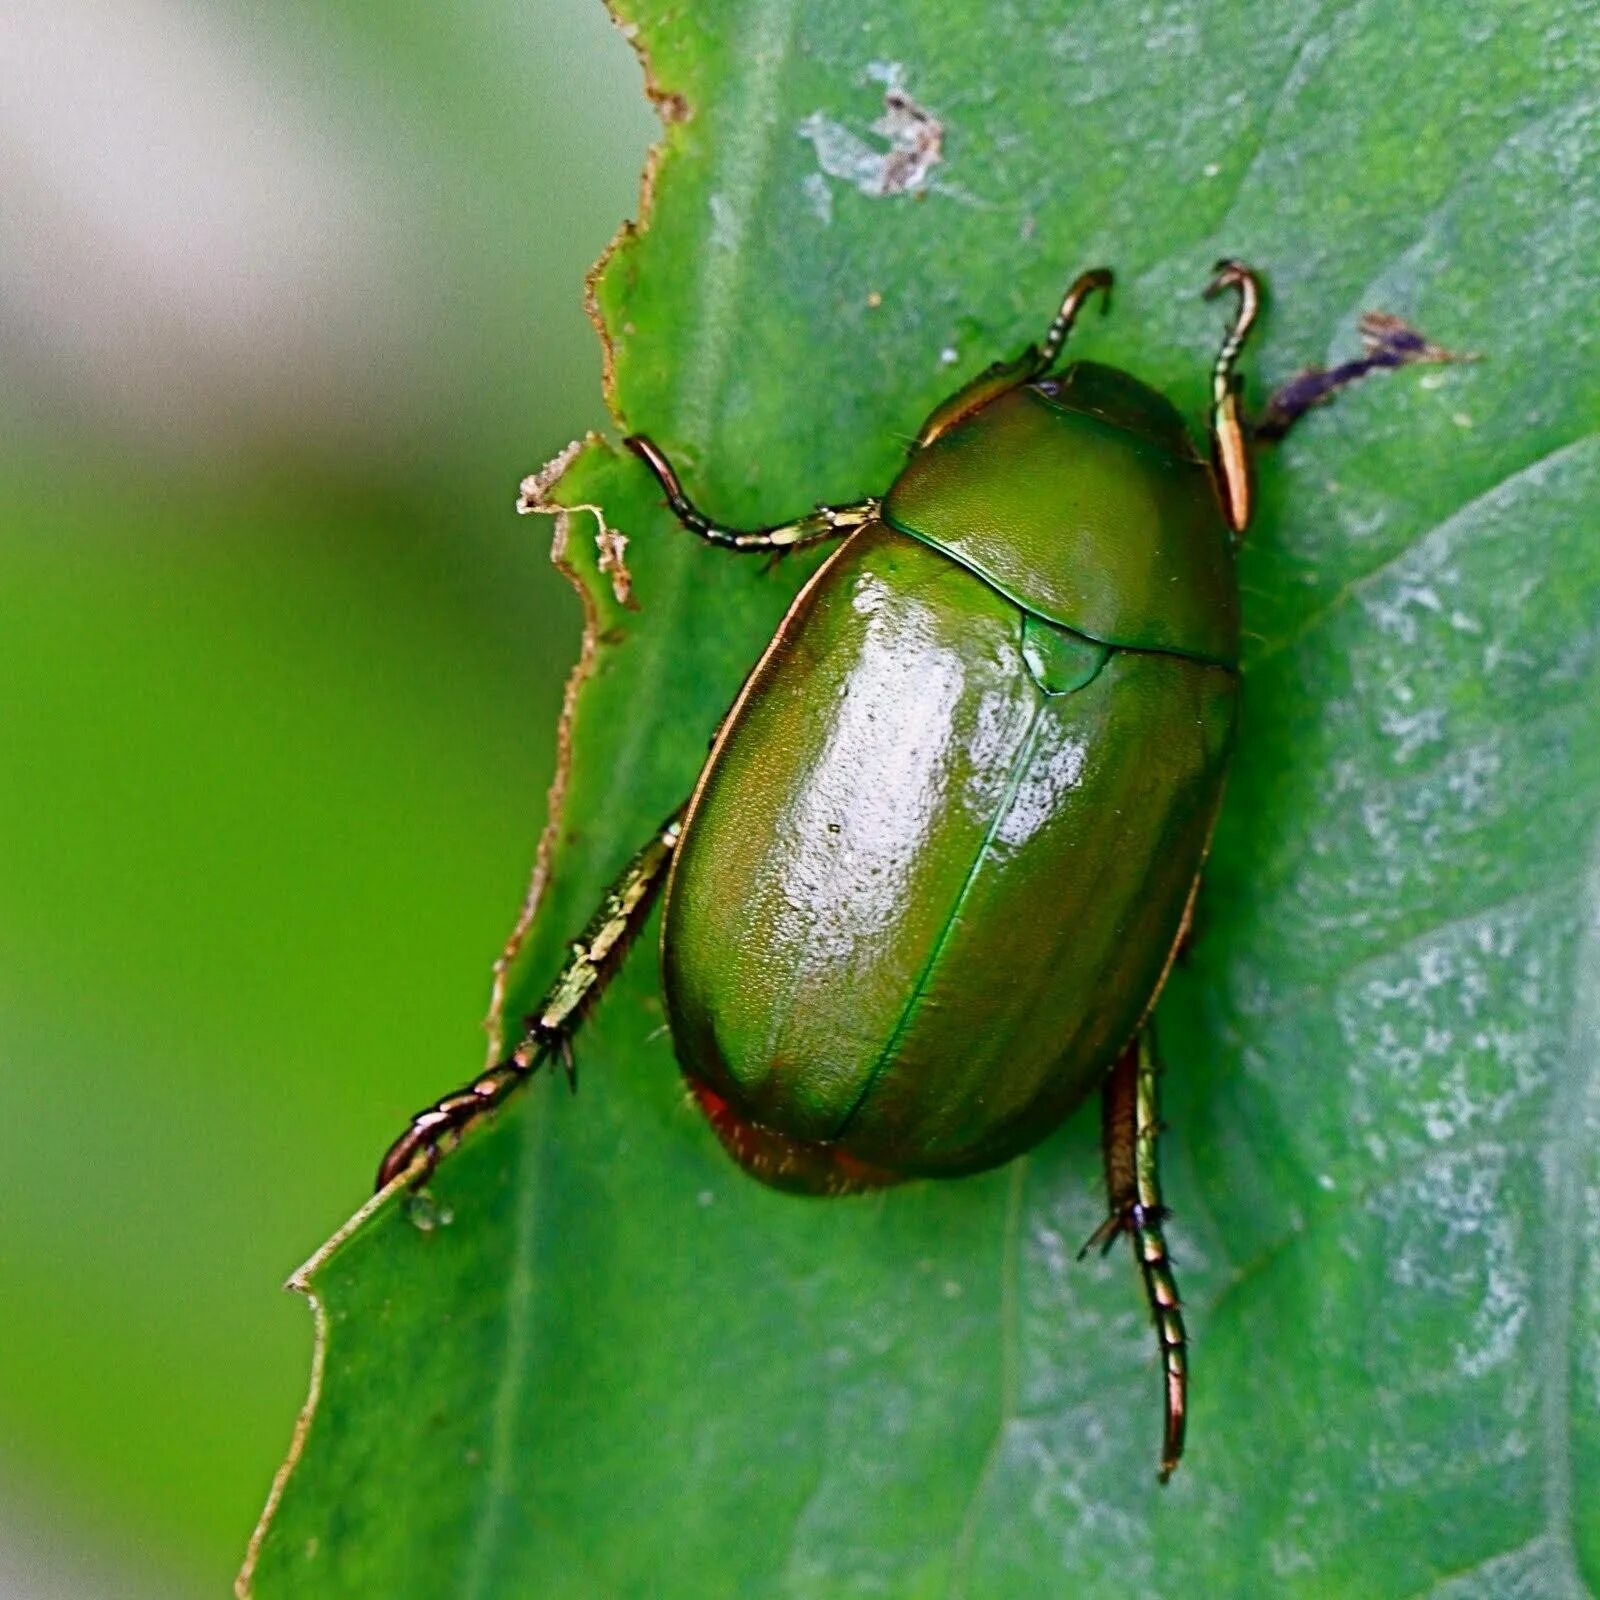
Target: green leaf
(602,1362)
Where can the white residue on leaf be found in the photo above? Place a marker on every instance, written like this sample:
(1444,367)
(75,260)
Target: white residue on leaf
(819,197)
(907,142)
(724,225)
(1452,1243)
(1414,731)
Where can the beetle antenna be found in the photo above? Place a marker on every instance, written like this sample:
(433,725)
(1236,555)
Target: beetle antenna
(1084,285)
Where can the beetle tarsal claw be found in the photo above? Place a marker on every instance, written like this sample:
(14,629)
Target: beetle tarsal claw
(441,1126)
(1107,1234)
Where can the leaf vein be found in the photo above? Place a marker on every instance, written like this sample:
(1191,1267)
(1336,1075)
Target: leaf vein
(1510,483)
(1299,995)
(1010,1380)
(489,1525)
(1572,1118)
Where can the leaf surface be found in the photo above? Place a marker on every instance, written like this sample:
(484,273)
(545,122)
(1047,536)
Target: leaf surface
(601,1362)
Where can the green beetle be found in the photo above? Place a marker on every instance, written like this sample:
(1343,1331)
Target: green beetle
(947,842)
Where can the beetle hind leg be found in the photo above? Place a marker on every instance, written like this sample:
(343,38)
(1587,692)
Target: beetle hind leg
(1130,1127)
(826,522)
(547,1034)
(1387,342)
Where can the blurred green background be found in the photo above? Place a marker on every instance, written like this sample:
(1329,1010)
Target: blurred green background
(290,298)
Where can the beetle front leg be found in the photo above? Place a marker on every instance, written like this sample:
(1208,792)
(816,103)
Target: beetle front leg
(1230,442)
(1030,367)
(826,522)
(1387,342)
(1130,1128)
(594,960)
(1097,280)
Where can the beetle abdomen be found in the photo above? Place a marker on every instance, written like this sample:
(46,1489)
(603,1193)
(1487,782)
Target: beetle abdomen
(921,900)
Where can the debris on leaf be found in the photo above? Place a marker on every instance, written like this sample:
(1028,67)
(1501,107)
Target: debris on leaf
(613,548)
(913,142)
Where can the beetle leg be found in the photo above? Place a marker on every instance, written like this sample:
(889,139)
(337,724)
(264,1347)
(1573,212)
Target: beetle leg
(1230,444)
(590,965)
(1029,367)
(826,522)
(1386,342)
(1084,285)
(1131,1125)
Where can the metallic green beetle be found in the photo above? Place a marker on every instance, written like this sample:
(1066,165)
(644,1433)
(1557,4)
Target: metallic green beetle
(946,846)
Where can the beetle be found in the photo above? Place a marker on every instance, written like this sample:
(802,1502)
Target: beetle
(947,843)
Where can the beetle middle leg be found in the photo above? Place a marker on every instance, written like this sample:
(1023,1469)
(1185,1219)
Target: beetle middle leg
(591,964)
(826,522)
(1130,1128)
